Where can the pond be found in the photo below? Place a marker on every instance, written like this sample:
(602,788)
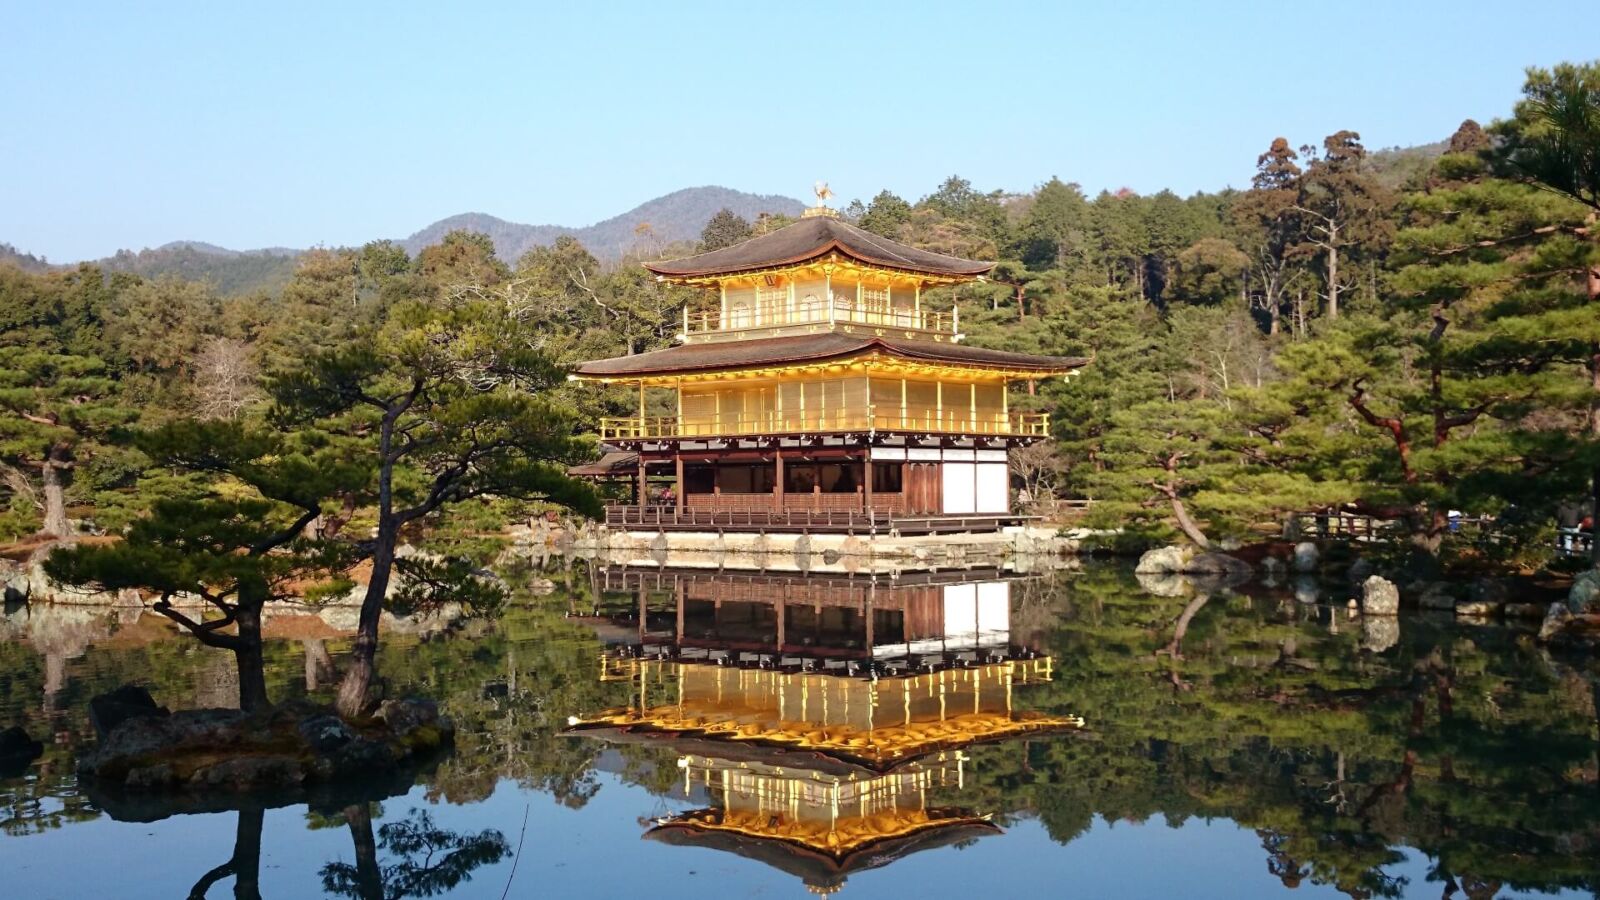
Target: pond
(921,736)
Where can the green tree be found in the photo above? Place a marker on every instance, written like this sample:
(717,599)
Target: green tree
(1553,141)
(61,410)
(233,549)
(886,214)
(1342,208)
(449,401)
(160,324)
(1271,229)
(724,229)
(1209,271)
(462,257)
(1054,232)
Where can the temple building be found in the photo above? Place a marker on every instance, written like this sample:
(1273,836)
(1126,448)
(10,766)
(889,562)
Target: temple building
(807,738)
(819,390)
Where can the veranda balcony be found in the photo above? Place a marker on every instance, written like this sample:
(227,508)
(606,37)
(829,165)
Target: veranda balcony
(820,312)
(949,421)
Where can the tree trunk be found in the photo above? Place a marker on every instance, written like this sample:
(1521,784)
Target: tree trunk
(244,865)
(1187,525)
(1594,433)
(355,689)
(1333,282)
(247,855)
(1594,422)
(319,663)
(248,656)
(1174,647)
(369,878)
(56,523)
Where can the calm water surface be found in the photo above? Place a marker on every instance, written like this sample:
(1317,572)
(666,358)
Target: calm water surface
(926,748)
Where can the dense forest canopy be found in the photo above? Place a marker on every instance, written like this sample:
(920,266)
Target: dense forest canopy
(1406,333)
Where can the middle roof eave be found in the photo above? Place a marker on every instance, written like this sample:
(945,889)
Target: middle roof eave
(811,348)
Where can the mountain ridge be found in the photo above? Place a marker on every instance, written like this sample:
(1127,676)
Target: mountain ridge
(678,216)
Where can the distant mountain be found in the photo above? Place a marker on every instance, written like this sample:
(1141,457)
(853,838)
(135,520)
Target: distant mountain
(27,262)
(678,216)
(1396,166)
(232,271)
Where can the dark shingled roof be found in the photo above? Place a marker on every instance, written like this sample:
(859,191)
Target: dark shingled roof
(816,867)
(614,463)
(814,348)
(810,239)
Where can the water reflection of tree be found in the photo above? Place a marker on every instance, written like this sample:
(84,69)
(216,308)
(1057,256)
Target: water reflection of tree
(1460,743)
(510,687)
(424,860)
(244,866)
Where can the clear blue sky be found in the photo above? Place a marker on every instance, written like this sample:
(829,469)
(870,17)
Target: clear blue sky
(133,124)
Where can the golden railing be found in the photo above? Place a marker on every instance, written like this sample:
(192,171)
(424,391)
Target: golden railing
(948,421)
(819,312)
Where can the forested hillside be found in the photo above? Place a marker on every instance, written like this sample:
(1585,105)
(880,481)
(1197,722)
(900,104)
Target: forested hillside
(1412,335)
(675,218)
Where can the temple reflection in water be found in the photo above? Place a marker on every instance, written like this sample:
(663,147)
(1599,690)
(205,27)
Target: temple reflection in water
(816,719)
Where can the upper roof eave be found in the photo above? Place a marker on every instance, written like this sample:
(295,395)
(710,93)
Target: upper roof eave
(812,239)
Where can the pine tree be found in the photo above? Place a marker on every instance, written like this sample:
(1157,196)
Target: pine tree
(1553,141)
(725,229)
(447,401)
(231,549)
(60,410)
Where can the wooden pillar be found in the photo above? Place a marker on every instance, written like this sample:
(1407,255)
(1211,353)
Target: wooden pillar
(644,484)
(866,477)
(777,484)
(778,608)
(677,489)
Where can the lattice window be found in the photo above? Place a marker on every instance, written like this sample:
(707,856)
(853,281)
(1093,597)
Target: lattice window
(773,303)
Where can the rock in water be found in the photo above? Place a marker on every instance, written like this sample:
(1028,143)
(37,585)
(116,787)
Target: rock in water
(17,750)
(1220,564)
(1436,595)
(1306,557)
(1165,584)
(1585,594)
(1379,633)
(1554,621)
(130,701)
(1307,590)
(1360,570)
(1379,597)
(1165,561)
(406,716)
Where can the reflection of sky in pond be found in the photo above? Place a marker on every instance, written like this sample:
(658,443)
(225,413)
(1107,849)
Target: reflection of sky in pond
(596,851)
(1237,741)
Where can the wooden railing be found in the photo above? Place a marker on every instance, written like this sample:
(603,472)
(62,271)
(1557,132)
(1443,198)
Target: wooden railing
(948,421)
(663,517)
(819,312)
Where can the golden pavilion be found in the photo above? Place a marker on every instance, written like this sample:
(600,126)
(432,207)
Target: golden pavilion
(817,389)
(807,738)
